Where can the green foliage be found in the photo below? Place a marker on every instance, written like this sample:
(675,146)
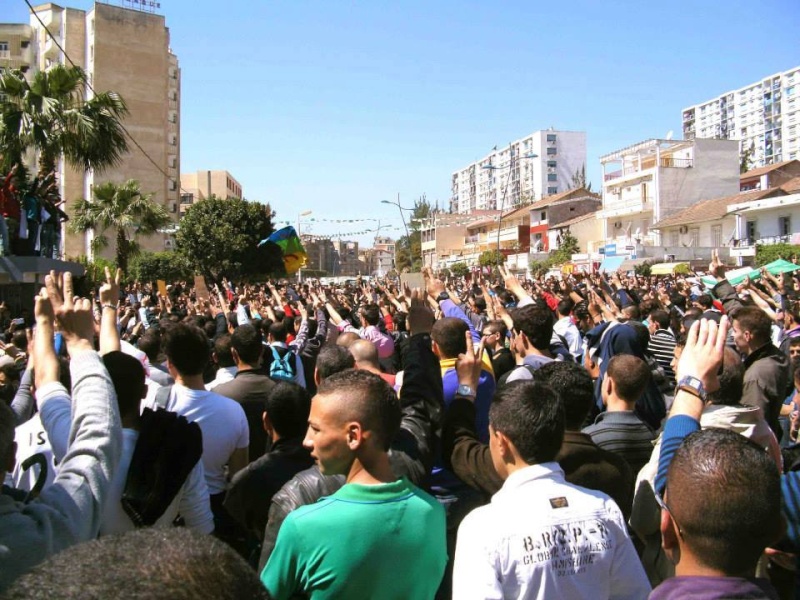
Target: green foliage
(579,179)
(683,269)
(489,258)
(408,250)
(746,160)
(567,247)
(643,269)
(767,253)
(540,267)
(220,238)
(150,266)
(126,210)
(95,274)
(459,269)
(52,116)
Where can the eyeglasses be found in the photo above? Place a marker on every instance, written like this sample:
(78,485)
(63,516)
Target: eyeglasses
(663,505)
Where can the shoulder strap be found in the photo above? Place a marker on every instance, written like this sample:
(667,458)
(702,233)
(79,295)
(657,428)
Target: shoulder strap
(162,397)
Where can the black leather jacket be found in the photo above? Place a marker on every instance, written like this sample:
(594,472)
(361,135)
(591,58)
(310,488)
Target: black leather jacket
(411,453)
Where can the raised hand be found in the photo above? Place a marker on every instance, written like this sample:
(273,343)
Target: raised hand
(73,315)
(109,291)
(420,317)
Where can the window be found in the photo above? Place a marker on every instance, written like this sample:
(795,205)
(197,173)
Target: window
(551,137)
(187,198)
(172,185)
(4,51)
(552,190)
(750,231)
(551,164)
(552,177)
(551,151)
(716,236)
(694,237)
(674,238)
(785,226)
(543,215)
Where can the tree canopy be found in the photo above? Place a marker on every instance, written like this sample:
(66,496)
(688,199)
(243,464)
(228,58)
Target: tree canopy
(123,208)
(219,237)
(408,250)
(151,266)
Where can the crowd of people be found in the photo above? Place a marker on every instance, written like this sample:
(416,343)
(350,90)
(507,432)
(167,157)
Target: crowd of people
(590,437)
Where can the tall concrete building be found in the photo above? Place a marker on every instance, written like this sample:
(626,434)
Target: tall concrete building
(204,184)
(16,51)
(127,51)
(553,158)
(764,116)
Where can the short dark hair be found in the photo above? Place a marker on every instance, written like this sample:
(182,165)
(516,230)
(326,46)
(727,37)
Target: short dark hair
(529,414)
(222,350)
(705,301)
(480,302)
(496,326)
(150,344)
(370,401)
(128,376)
(536,323)
(565,307)
(288,405)
(448,333)
(189,565)
(630,375)
(660,318)
(278,331)
(710,492)
(731,380)
(372,314)
(573,385)
(186,347)
(795,341)
(754,320)
(333,359)
(247,341)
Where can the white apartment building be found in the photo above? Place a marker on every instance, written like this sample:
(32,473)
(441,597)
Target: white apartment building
(764,115)
(538,165)
(651,180)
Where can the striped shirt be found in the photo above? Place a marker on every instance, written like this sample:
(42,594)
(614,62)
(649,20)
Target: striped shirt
(662,347)
(624,434)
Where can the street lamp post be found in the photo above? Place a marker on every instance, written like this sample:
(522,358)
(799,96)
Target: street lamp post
(402,216)
(505,190)
(305,213)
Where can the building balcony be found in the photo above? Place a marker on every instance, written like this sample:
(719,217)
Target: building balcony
(626,206)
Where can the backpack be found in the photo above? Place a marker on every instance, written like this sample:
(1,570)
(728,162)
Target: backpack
(281,367)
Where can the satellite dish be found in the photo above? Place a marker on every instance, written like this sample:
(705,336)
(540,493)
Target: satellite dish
(669,135)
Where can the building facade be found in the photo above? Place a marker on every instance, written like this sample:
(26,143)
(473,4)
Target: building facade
(646,182)
(549,212)
(770,176)
(443,236)
(16,50)
(763,116)
(538,165)
(126,51)
(204,184)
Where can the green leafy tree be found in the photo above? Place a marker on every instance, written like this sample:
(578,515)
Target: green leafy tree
(567,247)
(150,266)
(52,116)
(540,267)
(489,258)
(220,238)
(459,269)
(123,208)
(579,179)
(766,253)
(746,159)
(643,269)
(408,251)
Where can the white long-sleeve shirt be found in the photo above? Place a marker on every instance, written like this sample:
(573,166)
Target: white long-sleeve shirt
(542,538)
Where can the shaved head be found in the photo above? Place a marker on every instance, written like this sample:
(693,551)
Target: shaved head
(346,339)
(365,353)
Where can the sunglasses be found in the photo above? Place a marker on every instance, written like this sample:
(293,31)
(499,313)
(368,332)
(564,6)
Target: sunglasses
(661,503)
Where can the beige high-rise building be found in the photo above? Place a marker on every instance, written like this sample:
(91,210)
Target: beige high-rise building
(15,47)
(204,184)
(127,51)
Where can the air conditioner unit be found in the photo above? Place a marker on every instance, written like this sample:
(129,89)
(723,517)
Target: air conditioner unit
(618,225)
(683,229)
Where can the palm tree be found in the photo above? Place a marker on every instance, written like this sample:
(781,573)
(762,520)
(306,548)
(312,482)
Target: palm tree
(122,207)
(52,116)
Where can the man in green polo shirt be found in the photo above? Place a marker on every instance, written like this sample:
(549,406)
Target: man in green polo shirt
(378,536)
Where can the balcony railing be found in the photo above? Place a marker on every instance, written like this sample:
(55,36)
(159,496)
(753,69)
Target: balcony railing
(769,240)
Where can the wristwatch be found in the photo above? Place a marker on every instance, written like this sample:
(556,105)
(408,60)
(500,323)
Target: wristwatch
(443,296)
(465,390)
(693,386)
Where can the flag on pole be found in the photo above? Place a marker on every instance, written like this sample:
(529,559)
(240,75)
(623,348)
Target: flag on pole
(294,255)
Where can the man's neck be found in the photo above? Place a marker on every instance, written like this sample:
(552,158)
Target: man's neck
(193,382)
(689,566)
(372,470)
(242,367)
(616,404)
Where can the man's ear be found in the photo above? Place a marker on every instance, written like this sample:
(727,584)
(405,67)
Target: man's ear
(504,446)
(608,384)
(235,356)
(356,436)
(317,378)
(266,422)
(670,540)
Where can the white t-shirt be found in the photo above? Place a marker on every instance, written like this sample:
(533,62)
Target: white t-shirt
(223,424)
(31,439)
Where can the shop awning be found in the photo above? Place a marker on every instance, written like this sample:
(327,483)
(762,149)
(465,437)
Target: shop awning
(666,268)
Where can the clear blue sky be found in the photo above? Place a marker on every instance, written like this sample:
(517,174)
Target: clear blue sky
(333,106)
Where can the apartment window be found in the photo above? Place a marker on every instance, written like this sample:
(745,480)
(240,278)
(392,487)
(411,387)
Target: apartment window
(543,215)
(551,137)
(552,190)
(551,164)
(674,238)
(173,139)
(552,177)
(172,185)
(551,151)
(785,226)
(750,230)
(716,236)
(694,237)
(4,51)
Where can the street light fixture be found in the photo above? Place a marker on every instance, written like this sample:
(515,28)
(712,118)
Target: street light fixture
(505,190)
(405,225)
